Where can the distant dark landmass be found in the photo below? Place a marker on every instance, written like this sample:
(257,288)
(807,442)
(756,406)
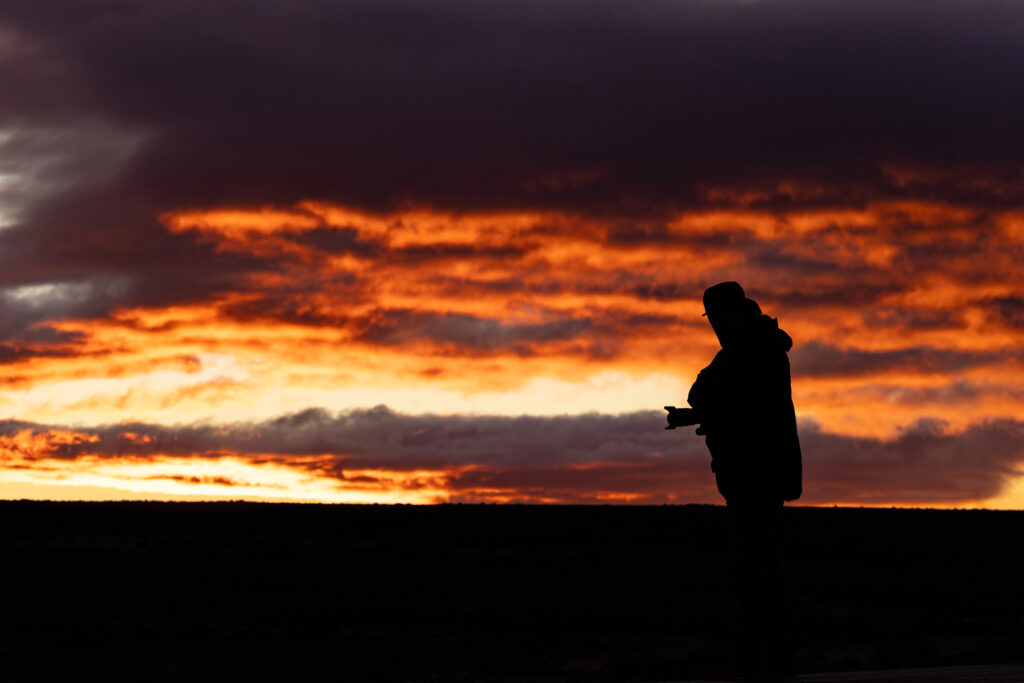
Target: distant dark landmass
(247,591)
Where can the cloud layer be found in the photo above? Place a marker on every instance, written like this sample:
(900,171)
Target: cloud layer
(233,211)
(570,459)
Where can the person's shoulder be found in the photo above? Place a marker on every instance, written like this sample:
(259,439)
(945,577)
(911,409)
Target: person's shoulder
(720,359)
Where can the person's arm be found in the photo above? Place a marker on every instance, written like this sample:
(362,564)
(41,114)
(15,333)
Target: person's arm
(697,398)
(702,393)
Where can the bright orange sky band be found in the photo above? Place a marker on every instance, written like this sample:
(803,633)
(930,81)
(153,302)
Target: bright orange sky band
(517,314)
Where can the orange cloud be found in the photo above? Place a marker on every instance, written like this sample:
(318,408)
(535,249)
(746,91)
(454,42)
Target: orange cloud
(900,311)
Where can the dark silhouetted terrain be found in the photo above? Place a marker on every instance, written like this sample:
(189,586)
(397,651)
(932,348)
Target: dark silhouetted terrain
(235,591)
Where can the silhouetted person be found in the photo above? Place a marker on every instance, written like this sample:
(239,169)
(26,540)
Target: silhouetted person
(744,406)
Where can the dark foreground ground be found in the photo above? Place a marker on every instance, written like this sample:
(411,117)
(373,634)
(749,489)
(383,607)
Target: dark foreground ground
(233,591)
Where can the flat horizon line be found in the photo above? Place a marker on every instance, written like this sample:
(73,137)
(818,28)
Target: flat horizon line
(272,503)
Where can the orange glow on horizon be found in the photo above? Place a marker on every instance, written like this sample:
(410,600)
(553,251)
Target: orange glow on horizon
(532,312)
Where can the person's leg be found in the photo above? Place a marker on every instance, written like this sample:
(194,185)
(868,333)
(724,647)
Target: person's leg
(747,628)
(778,610)
(763,628)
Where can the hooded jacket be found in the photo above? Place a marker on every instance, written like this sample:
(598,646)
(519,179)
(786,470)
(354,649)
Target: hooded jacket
(745,404)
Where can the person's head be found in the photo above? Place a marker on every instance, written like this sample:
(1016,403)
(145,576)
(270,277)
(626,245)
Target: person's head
(729,311)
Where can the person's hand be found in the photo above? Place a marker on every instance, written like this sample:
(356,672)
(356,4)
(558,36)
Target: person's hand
(680,417)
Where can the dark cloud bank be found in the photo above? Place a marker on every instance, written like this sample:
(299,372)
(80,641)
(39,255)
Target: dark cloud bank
(573,104)
(125,110)
(577,458)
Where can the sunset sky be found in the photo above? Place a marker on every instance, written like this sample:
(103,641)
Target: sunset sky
(408,251)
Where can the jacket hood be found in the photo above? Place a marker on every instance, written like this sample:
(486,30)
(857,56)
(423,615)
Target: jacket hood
(766,333)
